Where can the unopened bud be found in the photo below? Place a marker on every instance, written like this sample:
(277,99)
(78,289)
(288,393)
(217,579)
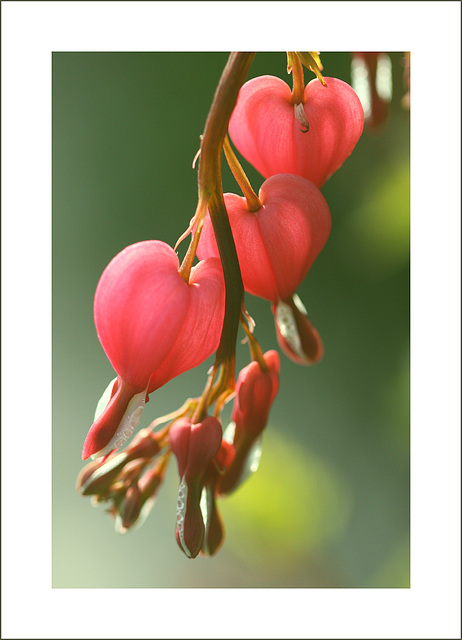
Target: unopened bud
(130,507)
(255,393)
(214,532)
(194,446)
(96,477)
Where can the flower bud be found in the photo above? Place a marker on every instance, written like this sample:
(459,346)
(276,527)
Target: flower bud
(255,393)
(130,507)
(132,512)
(96,477)
(194,446)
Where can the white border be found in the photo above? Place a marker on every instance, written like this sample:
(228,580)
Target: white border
(30,32)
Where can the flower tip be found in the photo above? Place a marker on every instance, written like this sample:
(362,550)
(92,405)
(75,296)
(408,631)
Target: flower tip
(297,337)
(116,422)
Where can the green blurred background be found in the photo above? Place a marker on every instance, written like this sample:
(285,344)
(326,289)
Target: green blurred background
(329,506)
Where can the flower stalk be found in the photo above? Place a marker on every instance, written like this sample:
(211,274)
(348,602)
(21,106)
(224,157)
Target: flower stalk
(253,201)
(298,91)
(211,191)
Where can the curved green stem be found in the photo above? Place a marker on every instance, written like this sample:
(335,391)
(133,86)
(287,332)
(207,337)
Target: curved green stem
(211,190)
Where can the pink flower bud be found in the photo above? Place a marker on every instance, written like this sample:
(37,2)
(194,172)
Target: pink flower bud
(153,326)
(130,507)
(277,244)
(265,129)
(194,446)
(296,336)
(255,393)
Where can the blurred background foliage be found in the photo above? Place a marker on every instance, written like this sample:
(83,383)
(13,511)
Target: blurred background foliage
(329,506)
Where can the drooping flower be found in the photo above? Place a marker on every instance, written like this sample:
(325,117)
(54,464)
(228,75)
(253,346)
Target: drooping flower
(194,446)
(276,246)
(266,129)
(153,326)
(255,393)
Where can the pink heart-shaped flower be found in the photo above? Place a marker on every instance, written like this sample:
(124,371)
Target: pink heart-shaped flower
(265,129)
(153,326)
(277,244)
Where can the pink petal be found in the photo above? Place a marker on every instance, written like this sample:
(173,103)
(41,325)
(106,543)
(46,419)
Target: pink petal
(201,331)
(277,244)
(264,128)
(140,305)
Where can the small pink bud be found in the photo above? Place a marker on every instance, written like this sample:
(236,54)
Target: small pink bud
(277,244)
(296,336)
(265,128)
(255,393)
(148,486)
(153,326)
(194,447)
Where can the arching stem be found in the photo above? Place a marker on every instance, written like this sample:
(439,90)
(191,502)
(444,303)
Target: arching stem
(210,190)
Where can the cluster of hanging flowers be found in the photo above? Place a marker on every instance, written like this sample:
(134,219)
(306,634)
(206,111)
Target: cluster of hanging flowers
(156,318)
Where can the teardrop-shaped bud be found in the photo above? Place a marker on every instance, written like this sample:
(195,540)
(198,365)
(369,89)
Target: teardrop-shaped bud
(255,393)
(297,337)
(130,507)
(277,244)
(266,131)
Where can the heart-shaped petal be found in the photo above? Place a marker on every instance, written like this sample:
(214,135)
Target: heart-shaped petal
(266,131)
(141,302)
(153,326)
(277,244)
(200,334)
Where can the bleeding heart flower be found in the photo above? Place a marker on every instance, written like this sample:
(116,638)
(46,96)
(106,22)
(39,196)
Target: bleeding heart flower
(266,129)
(255,393)
(277,244)
(194,446)
(153,326)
